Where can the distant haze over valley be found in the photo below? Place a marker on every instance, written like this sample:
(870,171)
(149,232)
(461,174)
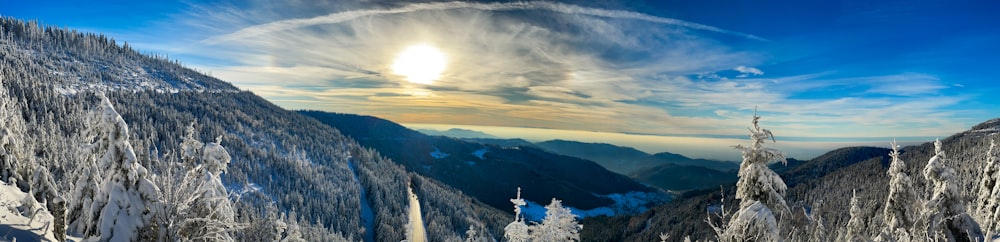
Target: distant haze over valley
(715,148)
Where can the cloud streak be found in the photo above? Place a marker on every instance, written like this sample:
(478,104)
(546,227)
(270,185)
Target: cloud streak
(341,17)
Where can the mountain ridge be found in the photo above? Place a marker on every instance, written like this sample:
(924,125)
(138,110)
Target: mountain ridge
(489,172)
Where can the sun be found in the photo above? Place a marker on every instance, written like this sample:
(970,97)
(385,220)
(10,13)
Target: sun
(420,64)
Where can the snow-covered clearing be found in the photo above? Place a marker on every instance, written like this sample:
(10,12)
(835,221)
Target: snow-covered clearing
(437,154)
(367,216)
(479,153)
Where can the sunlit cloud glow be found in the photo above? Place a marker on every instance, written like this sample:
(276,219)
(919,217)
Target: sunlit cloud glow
(562,66)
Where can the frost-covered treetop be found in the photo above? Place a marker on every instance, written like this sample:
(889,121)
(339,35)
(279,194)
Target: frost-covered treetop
(936,170)
(756,152)
(758,182)
(897,166)
(518,202)
(216,158)
(900,205)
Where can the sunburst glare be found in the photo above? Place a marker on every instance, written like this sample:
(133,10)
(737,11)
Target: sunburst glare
(420,64)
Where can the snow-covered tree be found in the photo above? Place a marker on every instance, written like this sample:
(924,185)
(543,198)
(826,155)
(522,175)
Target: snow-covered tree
(900,209)
(44,190)
(81,199)
(209,214)
(126,200)
(294,233)
(517,231)
(196,204)
(472,235)
(754,222)
(856,225)
(8,163)
(945,209)
(191,148)
(989,192)
(759,190)
(559,224)
(11,129)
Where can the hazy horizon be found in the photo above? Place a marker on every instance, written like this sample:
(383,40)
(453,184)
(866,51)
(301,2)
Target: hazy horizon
(714,148)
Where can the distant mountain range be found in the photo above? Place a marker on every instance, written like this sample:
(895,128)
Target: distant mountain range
(668,171)
(488,172)
(458,133)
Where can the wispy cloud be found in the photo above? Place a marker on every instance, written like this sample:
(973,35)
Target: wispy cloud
(341,17)
(558,66)
(746,71)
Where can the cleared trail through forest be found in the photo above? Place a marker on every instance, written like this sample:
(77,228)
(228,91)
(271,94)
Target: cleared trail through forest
(416,233)
(367,216)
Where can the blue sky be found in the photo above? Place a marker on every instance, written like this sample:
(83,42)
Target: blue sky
(834,69)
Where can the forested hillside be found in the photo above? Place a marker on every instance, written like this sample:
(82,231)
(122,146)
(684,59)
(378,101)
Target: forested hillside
(285,175)
(945,189)
(490,172)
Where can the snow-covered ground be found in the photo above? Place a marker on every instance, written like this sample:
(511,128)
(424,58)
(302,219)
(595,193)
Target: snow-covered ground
(17,222)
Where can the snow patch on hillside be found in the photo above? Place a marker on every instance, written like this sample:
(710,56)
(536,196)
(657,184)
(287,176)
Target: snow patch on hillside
(437,154)
(479,153)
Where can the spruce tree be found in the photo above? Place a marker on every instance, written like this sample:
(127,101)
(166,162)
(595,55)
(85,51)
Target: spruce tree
(945,209)
(900,206)
(559,224)
(856,225)
(989,193)
(759,189)
(126,200)
(517,231)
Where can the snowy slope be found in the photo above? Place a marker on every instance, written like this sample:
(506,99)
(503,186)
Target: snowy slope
(18,222)
(78,62)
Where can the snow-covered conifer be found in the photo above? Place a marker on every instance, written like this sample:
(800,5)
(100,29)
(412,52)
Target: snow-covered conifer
(472,235)
(559,224)
(989,192)
(80,209)
(856,225)
(517,231)
(294,233)
(210,214)
(11,129)
(126,200)
(8,164)
(191,147)
(44,189)
(900,206)
(817,227)
(754,222)
(197,206)
(759,189)
(945,209)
